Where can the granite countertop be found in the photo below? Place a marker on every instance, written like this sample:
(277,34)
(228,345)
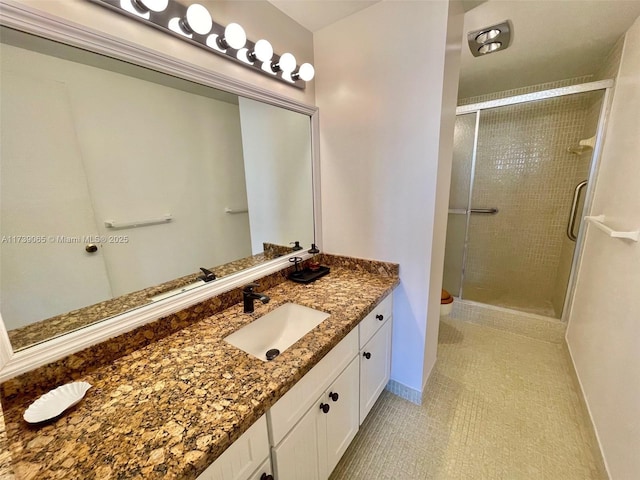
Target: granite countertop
(169,409)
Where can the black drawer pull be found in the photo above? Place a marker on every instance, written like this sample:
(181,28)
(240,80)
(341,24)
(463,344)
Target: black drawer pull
(380,317)
(334,396)
(325,407)
(367,355)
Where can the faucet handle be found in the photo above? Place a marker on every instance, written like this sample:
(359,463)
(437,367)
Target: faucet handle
(207,276)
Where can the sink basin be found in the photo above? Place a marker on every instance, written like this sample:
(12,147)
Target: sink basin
(277,330)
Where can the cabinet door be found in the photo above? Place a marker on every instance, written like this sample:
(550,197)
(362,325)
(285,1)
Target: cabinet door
(375,368)
(243,457)
(342,418)
(264,472)
(296,457)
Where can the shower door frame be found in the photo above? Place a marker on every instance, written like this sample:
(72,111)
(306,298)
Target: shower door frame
(477,108)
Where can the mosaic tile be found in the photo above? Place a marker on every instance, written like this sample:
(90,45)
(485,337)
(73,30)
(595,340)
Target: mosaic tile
(498,406)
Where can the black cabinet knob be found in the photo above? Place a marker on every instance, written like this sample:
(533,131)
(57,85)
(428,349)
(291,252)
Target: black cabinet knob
(334,396)
(367,355)
(264,476)
(324,407)
(380,317)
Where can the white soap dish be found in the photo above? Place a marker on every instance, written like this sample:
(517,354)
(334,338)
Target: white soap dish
(53,403)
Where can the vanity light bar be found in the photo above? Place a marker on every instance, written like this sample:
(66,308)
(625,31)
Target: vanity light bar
(194,24)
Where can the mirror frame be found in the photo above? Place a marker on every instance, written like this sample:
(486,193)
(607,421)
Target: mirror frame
(29,20)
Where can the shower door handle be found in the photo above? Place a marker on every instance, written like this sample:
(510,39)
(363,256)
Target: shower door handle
(571,226)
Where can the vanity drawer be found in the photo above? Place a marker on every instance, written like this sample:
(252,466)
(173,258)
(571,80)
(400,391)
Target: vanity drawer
(372,322)
(292,406)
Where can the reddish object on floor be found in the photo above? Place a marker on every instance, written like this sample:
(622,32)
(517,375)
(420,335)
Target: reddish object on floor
(445,298)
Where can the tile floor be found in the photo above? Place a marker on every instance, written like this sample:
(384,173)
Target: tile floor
(501,403)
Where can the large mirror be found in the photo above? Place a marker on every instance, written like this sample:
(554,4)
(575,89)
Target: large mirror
(119,183)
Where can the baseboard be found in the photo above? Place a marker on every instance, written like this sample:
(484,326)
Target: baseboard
(578,383)
(402,391)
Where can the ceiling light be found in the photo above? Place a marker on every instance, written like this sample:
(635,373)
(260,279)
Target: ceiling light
(487,36)
(489,47)
(490,39)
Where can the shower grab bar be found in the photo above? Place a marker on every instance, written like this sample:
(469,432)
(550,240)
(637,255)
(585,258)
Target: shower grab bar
(463,211)
(573,216)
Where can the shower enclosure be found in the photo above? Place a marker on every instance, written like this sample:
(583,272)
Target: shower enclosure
(521,177)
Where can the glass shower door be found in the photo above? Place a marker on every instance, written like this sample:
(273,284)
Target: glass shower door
(461,174)
(527,166)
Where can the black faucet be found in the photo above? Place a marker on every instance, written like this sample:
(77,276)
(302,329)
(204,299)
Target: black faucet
(207,275)
(248,296)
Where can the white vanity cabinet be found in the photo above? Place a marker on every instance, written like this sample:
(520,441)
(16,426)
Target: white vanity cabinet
(375,354)
(312,425)
(314,446)
(246,459)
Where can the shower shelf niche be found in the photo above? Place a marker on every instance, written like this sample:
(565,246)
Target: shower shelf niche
(599,220)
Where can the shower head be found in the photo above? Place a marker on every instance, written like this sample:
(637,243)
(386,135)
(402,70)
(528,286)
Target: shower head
(583,146)
(578,149)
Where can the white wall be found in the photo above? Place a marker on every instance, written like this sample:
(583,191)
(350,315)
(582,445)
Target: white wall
(379,87)
(604,324)
(443,183)
(277,165)
(43,194)
(259,18)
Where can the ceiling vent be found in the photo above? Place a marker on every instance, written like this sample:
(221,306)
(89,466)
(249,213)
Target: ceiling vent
(490,39)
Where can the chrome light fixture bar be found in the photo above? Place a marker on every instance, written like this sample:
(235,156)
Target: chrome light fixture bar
(194,24)
(488,40)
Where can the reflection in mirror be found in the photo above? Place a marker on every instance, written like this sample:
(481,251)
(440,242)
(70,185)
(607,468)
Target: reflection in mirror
(120,183)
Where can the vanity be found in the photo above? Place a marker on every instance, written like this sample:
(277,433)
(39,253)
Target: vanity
(169,397)
(190,405)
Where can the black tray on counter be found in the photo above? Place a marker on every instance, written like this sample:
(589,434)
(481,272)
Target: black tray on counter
(307,275)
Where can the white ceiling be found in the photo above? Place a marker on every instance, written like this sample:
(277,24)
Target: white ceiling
(551,40)
(316,14)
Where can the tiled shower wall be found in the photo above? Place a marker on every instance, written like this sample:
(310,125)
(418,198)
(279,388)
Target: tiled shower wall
(608,70)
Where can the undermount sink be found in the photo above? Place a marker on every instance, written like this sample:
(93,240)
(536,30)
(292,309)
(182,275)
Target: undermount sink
(273,333)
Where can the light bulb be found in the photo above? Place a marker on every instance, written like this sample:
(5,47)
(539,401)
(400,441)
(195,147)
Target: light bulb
(262,51)
(135,9)
(197,20)
(235,36)
(287,63)
(490,47)
(150,5)
(487,36)
(306,72)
